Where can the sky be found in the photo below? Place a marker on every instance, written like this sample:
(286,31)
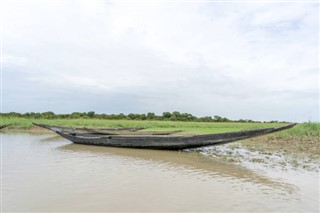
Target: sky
(246,60)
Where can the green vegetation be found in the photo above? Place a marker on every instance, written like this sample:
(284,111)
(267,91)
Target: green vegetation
(150,116)
(303,139)
(301,130)
(167,121)
(201,127)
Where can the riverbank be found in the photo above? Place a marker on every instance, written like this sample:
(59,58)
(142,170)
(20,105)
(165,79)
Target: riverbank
(299,154)
(302,140)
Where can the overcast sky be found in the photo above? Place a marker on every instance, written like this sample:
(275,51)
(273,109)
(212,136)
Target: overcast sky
(255,61)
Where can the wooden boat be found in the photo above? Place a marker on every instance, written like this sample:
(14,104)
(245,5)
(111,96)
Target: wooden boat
(4,126)
(167,142)
(105,131)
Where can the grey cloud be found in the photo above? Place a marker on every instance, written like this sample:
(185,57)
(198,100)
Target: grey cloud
(111,59)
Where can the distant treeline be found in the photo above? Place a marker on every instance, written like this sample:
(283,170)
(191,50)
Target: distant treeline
(166,116)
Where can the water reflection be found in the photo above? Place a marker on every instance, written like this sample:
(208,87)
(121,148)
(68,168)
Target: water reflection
(192,162)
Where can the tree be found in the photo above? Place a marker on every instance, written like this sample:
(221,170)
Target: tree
(151,116)
(91,114)
(166,115)
(131,116)
(48,115)
(75,115)
(121,116)
(143,117)
(217,118)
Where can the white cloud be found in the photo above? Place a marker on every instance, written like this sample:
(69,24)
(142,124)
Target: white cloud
(240,60)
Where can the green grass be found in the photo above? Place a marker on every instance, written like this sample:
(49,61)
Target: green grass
(301,130)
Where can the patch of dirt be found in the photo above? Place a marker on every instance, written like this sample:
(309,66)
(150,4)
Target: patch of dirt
(282,153)
(305,146)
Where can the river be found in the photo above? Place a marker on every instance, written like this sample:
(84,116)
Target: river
(42,172)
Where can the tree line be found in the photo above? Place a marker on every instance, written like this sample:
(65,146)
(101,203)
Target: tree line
(166,116)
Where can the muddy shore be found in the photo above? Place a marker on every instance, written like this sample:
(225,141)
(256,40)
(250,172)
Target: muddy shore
(294,152)
(303,145)
(297,146)
(271,152)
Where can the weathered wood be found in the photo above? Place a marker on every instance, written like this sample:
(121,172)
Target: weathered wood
(105,131)
(167,142)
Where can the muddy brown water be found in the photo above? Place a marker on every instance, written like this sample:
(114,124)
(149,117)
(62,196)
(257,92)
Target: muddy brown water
(45,173)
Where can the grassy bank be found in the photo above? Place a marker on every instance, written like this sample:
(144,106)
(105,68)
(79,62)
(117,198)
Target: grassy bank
(301,130)
(302,141)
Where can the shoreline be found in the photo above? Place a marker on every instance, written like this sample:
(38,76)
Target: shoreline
(304,145)
(294,152)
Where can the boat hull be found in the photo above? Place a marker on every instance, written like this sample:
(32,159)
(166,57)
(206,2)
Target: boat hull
(167,142)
